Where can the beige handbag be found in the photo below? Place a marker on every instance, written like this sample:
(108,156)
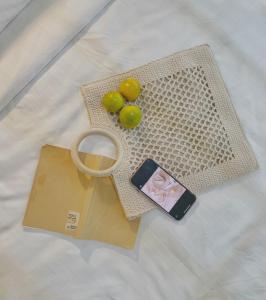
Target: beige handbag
(189,126)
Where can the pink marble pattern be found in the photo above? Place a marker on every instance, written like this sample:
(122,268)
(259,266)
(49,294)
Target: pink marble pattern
(163,189)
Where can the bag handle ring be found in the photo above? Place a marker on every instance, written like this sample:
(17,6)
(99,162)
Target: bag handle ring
(82,167)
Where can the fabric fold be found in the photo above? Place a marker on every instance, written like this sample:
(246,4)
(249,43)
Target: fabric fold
(9,10)
(36,36)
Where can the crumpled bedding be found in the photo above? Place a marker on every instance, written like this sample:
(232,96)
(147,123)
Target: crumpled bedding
(10,10)
(218,250)
(36,36)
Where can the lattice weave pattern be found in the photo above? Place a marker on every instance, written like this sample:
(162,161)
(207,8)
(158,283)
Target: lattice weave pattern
(189,125)
(181,128)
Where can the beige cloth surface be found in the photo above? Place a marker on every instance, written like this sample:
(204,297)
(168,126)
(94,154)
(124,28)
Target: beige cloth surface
(66,201)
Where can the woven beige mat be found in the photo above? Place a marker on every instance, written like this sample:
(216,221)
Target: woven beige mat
(189,125)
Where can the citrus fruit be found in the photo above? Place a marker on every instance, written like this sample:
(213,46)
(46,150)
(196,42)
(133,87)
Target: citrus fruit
(130,88)
(130,116)
(113,101)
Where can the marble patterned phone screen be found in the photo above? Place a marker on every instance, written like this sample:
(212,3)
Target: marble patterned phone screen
(163,189)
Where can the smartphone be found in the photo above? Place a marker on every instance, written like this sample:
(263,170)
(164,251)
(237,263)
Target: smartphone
(163,189)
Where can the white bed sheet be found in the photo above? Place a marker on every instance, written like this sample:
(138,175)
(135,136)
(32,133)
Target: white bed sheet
(218,250)
(36,36)
(9,10)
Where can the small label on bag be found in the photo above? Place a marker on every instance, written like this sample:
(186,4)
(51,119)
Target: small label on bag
(72,220)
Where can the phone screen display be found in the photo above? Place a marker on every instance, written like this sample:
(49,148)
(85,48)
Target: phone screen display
(163,189)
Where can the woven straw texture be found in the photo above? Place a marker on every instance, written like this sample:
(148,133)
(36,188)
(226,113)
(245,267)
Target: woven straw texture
(189,125)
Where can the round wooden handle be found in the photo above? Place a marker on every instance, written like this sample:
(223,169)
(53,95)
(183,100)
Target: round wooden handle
(83,168)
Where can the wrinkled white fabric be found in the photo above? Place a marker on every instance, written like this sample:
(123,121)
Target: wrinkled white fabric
(218,251)
(9,10)
(36,36)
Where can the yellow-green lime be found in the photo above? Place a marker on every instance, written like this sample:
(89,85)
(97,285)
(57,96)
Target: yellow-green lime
(130,88)
(113,101)
(130,116)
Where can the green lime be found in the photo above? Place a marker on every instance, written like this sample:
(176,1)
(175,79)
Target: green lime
(130,88)
(113,101)
(130,116)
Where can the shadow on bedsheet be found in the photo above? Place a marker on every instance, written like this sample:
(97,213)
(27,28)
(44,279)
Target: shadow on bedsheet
(24,20)
(21,93)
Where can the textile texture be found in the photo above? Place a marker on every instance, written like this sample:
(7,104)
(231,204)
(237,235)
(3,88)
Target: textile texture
(189,125)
